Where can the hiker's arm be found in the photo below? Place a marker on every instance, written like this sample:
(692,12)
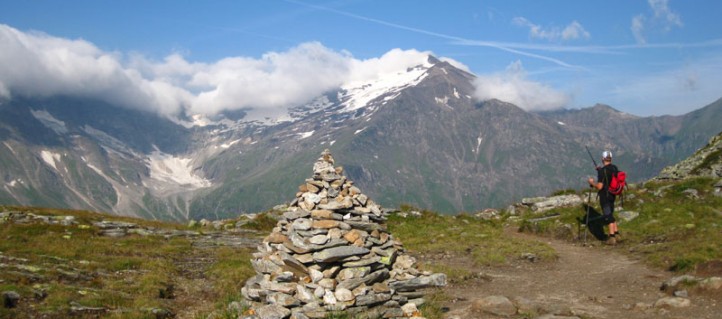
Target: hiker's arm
(598,186)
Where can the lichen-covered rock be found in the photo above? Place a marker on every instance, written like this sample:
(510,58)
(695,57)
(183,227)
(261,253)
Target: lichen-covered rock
(672,302)
(541,204)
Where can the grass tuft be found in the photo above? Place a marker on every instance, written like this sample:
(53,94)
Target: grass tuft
(678,226)
(263,222)
(463,236)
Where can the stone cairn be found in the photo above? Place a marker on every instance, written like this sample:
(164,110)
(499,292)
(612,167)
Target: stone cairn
(329,252)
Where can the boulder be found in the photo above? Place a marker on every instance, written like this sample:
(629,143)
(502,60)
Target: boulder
(495,305)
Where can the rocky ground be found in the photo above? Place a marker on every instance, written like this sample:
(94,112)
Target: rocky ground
(587,281)
(189,294)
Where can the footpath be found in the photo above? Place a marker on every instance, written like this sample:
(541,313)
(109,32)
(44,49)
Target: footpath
(587,281)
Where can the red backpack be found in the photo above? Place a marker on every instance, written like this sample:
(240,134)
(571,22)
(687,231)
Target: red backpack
(618,182)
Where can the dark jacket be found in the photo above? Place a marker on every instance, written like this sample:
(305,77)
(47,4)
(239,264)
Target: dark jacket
(604,176)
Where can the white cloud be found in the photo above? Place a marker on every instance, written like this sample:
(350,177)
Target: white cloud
(173,69)
(274,81)
(512,86)
(662,12)
(662,17)
(41,65)
(572,31)
(575,31)
(36,64)
(396,60)
(638,28)
(456,64)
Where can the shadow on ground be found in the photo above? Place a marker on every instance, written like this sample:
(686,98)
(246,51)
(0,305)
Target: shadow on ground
(594,222)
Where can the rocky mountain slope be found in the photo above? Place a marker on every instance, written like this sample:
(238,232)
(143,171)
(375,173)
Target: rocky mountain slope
(414,136)
(705,162)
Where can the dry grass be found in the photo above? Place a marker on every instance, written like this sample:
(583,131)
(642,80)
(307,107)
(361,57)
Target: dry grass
(127,276)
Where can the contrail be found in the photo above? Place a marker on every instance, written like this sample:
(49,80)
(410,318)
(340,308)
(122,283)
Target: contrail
(517,47)
(455,39)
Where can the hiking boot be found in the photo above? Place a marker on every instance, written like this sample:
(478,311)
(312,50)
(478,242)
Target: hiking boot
(611,241)
(618,238)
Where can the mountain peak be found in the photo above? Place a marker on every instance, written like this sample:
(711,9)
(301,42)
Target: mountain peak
(374,92)
(606,109)
(433,60)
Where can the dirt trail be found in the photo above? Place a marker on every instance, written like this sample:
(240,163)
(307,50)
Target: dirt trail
(194,291)
(592,281)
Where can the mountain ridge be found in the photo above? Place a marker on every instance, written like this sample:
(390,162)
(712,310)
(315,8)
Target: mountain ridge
(420,138)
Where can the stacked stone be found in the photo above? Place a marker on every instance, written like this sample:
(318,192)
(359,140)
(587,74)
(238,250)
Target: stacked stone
(331,252)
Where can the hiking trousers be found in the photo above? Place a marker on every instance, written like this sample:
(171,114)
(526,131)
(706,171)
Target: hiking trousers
(607,205)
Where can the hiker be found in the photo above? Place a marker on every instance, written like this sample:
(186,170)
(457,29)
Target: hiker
(606,199)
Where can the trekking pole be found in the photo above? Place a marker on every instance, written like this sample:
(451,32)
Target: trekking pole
(586,222)
(592,157)
(589,199)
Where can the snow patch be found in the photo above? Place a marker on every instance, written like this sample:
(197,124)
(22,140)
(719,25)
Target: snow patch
(391,97)
(305,134)
(50,158)
(260,116)
(358,94)
(332,142)
(359,131)
(200,120)
(50,121)
(9,147)
(456,94)
(319,104)
(227,145)
(111,181)
(14,182)
(478,144)
(168,168)
(97,170)
(561,123)
(443,101)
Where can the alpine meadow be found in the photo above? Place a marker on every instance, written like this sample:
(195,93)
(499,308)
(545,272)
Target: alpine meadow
(365,159)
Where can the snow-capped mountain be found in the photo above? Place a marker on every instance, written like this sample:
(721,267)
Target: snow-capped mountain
(412,136)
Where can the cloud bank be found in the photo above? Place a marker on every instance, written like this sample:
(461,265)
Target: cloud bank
(35,64)
(39,65)
(512,86)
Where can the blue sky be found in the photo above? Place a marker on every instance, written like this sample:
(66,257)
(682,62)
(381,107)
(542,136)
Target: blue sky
(643,57)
